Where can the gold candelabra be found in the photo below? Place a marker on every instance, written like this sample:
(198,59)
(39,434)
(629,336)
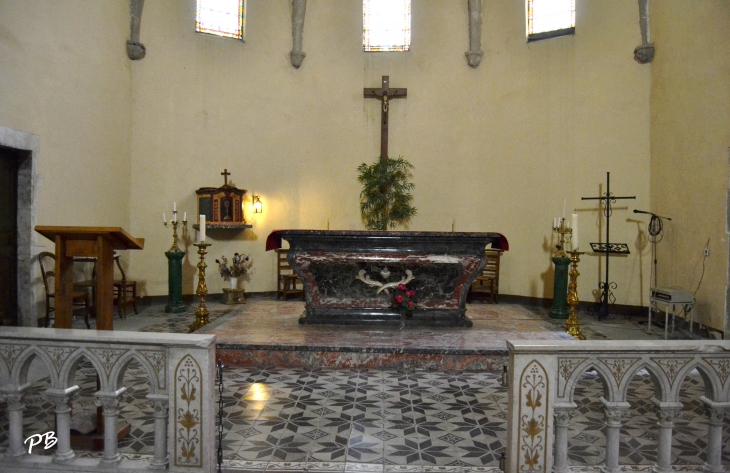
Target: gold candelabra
(174,224)
(572,325)
(562,230)
(201,315)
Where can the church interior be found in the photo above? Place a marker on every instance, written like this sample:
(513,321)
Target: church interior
(94,133)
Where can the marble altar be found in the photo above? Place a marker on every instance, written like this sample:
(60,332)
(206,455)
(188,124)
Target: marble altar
(350,277)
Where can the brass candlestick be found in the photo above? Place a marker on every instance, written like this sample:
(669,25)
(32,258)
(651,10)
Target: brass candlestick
(562,229)
(201,315)
(572,325)
(174,223)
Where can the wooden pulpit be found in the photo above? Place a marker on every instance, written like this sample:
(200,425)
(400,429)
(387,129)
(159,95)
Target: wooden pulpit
(94,242)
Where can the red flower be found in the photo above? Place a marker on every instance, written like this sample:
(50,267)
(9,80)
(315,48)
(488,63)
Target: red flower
(410,304)
(398,299)
(411,293)
(402,287)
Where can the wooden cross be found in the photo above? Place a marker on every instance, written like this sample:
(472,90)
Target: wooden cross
(384,94)
(225,175)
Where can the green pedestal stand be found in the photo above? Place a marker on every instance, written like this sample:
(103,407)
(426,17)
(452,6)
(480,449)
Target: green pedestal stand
(560,289)
(174,269)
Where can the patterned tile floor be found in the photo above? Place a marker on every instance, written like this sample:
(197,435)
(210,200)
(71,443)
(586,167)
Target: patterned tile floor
(280,419)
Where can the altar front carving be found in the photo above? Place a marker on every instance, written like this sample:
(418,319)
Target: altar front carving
(351,277)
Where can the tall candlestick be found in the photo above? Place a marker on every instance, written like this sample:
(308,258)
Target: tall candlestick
(575,232)
(202,228)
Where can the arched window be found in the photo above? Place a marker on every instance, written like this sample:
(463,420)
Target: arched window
(386,25)
(221,17)
(550,18)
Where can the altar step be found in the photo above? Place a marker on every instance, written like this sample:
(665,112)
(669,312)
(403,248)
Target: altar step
(312,357)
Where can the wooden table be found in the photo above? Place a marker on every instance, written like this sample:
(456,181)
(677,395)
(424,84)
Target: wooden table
(96,242)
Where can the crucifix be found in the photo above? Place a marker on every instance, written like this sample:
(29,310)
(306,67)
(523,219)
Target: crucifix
(384,94)
(225,175)
(607,248)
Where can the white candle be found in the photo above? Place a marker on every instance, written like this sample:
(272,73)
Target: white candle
(202,228)
(164,220)
(174,217)
(185,216)
(564,202)
(555,222)
(174,207)
(575,232)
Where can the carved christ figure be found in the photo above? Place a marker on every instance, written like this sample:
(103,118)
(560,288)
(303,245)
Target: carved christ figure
(384,94)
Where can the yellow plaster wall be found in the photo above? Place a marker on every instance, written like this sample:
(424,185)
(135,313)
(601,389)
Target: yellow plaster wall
(497,148)
(65,76)
(690,136)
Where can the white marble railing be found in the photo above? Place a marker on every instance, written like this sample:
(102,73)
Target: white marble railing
(181,372)
(543,376)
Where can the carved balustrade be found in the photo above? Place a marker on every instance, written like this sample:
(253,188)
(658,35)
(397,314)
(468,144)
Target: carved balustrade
(181,373)
(544,374)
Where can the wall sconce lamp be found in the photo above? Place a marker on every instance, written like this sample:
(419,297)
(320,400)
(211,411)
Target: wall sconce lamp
(257,205)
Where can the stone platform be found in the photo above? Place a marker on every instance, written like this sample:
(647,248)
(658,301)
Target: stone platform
(267,333)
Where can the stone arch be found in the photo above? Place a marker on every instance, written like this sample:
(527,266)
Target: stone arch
(120,368)
(713,385)
(604,376)
(71,365)
(19,372)
(661,383)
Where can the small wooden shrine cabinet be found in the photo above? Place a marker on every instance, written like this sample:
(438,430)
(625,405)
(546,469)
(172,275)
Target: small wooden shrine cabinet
(222,206)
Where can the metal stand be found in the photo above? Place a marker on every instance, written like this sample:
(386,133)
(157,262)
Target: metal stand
(572,325)
(607,248)
(201,315)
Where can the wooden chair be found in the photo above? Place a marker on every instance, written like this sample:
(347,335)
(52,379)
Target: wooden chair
(286,278)
(80,298)
(125,291)
(488,281)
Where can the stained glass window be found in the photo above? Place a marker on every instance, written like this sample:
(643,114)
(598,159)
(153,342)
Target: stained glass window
(386,25)
(550,18)
(221,17)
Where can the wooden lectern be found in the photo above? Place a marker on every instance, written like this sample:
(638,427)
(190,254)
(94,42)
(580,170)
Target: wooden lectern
(96,242)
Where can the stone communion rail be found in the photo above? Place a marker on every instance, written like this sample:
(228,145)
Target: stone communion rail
(181,374)
(543,376)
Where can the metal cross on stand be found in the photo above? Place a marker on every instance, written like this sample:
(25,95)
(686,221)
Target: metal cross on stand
(384,94)
(225,175)
(608,248)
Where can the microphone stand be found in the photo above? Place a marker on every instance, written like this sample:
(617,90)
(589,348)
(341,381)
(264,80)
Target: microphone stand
(654,229)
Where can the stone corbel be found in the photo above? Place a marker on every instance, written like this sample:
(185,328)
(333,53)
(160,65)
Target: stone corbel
(474,55)
(297,32)
(135,49)
(645,53)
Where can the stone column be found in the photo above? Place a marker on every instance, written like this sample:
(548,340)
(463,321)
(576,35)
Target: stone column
(715,415)
(475,53)
(135,49)
(15,423)
(666,412)
(110,402)
(298,7)
(562,423)
(62,399)
(160,403)
(615,412)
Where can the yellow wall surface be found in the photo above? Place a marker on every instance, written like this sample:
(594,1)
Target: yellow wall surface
(496,148)
(65,76)
(690,136)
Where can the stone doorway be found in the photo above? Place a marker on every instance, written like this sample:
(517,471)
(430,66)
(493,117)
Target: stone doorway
(22,148)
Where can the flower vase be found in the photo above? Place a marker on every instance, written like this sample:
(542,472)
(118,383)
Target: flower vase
(233,283)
